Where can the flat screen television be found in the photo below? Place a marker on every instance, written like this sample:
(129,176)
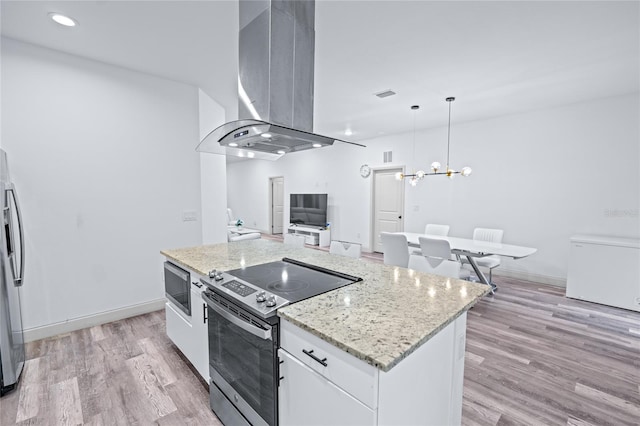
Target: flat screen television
(308,210)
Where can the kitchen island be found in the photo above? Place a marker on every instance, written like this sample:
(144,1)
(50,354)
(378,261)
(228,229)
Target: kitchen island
(395,340)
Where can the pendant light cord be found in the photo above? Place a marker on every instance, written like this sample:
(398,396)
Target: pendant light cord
(414,134)
(448,135)
(415,109)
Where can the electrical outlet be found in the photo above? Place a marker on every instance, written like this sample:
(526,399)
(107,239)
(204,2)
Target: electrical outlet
(189,216)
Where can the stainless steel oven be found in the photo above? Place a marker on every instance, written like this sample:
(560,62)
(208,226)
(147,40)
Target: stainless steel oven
(243,363)
(177,287)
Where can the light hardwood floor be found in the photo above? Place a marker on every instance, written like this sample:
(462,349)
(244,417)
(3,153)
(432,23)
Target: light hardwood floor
(533,357)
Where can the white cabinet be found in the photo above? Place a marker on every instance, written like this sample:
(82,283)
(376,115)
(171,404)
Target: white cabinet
(200,333)
(189,332)
(605,270)
(312,236)
(308,398)
(323,385)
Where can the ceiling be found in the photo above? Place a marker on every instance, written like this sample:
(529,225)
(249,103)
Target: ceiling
(496,58)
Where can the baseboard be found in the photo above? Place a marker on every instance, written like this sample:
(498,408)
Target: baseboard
(42,332)
(528,276)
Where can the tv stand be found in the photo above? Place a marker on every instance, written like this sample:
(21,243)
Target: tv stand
(312,236)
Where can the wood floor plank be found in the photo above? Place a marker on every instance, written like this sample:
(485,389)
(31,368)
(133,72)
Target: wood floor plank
(572,421)
(157,401)
(66,397)
(160,367)
(599,396)
(476,414)
(28,404)
(97,333)
(472,359)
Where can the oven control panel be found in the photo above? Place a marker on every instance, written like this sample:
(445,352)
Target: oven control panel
(245,294)
(239,288)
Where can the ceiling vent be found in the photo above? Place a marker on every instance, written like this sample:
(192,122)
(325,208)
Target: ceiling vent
(385,93)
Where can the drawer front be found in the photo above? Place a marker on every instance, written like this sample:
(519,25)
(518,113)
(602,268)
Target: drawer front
(306,395)
(179,329)
(355,376)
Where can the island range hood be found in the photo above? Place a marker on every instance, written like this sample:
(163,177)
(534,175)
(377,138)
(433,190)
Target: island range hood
(275,83)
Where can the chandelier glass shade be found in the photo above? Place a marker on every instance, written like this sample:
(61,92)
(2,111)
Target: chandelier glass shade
(436,167)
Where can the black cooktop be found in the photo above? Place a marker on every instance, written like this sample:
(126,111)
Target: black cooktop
(293,280)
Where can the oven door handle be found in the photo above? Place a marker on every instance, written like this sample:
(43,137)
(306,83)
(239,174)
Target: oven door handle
(256,331)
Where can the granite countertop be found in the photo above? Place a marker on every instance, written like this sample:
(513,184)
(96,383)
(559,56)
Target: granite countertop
(380,320)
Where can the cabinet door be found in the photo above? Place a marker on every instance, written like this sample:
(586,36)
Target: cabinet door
(200,334)
(307,398)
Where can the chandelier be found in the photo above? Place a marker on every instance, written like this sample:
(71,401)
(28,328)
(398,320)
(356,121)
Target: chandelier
(414,178)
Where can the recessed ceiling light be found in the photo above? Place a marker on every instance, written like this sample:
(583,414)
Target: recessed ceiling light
(317,145)
(250,154)
(348,132)
(281,152)
(266,135)
(62,20)
(233,144)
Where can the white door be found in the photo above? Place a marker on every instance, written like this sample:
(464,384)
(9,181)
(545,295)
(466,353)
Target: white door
(277,204)
(388,204)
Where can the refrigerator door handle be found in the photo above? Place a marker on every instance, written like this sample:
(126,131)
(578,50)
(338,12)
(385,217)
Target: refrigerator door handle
(18,280)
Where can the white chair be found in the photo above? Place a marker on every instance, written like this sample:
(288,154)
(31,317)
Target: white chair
(294,240)
(395,249)
(492,236)
(345,249)
(437,259)
(230,219)
(448,268)
(433,229)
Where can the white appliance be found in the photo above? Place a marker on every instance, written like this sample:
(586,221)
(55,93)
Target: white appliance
(11,279)
(605,270)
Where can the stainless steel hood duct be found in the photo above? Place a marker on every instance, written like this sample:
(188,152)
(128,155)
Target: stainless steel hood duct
(275,83)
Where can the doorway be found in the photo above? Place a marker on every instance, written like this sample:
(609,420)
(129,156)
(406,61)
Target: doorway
(276,216)
(387,201)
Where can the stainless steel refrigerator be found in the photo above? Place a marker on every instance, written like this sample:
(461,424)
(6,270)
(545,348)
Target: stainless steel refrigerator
(11,279)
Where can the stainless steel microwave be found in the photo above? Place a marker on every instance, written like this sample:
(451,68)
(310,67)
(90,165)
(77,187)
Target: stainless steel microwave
(177,286)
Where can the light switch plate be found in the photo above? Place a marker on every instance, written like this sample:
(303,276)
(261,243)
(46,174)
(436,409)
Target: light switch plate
(189,216)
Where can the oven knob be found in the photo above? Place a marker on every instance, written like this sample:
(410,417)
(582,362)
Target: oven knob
(261,297)
(218,276)
(212,273)
(271,301)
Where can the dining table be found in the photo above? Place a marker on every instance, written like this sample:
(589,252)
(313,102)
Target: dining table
(473,249)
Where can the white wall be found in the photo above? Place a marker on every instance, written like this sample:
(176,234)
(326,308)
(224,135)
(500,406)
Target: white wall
(105,164)
(213,175)
(541,176)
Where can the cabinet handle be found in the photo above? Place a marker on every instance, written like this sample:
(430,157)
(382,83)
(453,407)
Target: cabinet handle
(322,361)
(204,313)
(197,284)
